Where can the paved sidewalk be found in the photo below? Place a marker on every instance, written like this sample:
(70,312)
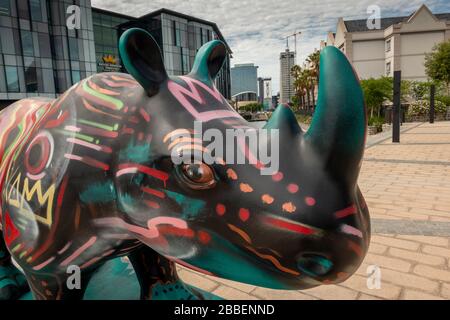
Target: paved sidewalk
(407,189)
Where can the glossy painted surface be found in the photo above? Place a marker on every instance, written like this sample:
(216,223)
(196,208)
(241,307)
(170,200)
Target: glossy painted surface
(89,177)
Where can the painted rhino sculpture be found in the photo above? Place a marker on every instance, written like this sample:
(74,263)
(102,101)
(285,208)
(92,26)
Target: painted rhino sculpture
(88,177)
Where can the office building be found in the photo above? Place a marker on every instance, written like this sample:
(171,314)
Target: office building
(265,92)
(244,79)
(400,43)
(48,45)
(40,53)
(287,61)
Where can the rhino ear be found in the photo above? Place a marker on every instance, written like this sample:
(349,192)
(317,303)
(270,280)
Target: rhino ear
(208,61)
(142,58)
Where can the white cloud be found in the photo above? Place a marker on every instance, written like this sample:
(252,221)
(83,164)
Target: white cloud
(255,29)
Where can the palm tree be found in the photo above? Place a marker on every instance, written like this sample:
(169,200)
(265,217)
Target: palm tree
(298,85)
(314,62)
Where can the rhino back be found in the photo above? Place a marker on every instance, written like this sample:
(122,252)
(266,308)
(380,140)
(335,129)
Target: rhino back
(66,160)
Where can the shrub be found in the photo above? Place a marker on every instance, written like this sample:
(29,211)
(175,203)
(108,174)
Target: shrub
(376,122)
(303,119)
(422,108)
(444,99)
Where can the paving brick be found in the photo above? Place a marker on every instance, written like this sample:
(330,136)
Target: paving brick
(398,243)
(377,248)
(437,251)
(270,294)
(445,292)
(229,293)
(332,292)
(240,286)
(387,262)
(364,296)
(417,257)
(435,241)
(417,295)
(409,280)
(432,273)
(196,280)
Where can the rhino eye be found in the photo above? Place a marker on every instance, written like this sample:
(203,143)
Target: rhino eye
(198,175)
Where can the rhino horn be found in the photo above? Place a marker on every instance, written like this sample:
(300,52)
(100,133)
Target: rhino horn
(284,120)
(338,129)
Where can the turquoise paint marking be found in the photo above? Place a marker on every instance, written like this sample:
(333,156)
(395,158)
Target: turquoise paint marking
(315,265)
(139,153)
(7,282)
(99,193)
(228,261)
(191,207)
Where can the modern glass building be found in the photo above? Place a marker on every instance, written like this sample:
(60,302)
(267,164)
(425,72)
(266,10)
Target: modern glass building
(44,49)
(106,36)
(39,54)
(244,79)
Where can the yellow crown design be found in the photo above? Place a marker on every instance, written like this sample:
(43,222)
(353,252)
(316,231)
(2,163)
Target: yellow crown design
(109,59)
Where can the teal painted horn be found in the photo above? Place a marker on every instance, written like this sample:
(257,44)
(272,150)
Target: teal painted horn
(284,119)
(338,129)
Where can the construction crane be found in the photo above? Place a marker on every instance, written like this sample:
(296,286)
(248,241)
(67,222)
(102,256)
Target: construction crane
(295,34)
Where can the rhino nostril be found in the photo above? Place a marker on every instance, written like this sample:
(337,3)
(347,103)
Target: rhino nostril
(314,264)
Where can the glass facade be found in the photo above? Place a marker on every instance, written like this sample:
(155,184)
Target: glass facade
(39,55)
(106,39)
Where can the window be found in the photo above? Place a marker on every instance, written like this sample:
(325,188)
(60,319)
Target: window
(176,34)
(27,43)
(12,79)
(31,84)
(4,7)
(184,61)
(7,40)
(388,68)
(204,36)
(22,6)
(388,45)
(35,10)
(73,49)
(76,76)
(44,45)
(209,35)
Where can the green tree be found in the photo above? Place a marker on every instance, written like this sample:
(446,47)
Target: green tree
(376,91)
(252,107)
(437,64)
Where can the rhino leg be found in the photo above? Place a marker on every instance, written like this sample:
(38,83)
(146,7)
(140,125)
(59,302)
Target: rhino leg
(12,282)
(58,286)
(158,277)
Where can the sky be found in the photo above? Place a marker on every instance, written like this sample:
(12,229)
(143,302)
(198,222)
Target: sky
(256,30)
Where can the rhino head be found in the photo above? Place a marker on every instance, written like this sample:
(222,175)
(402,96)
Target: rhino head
(303,225)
